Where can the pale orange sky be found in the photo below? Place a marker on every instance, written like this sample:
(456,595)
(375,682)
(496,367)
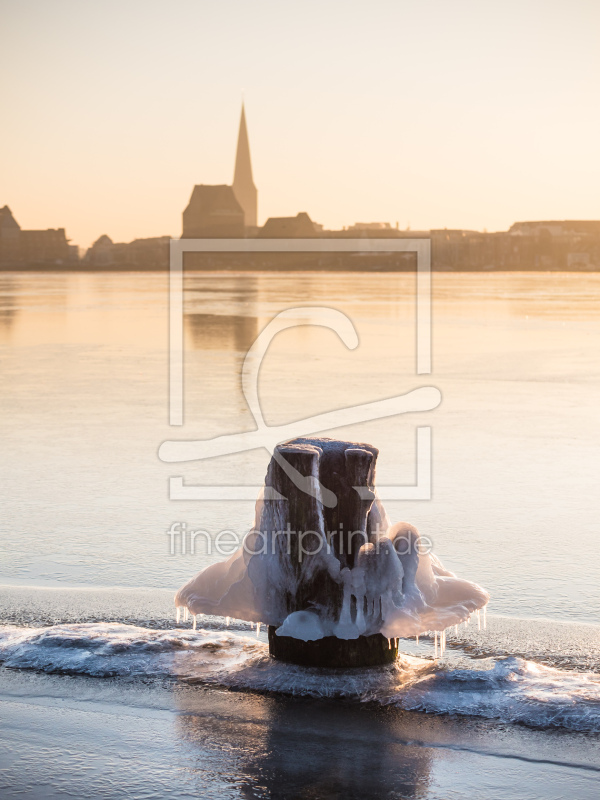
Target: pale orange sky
(432,113)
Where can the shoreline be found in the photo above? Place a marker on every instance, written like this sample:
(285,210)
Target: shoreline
(115,738)
(112,269)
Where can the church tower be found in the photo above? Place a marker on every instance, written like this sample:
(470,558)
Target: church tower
(243,185)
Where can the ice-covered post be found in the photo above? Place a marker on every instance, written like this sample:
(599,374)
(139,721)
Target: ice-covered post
(294,474)
(328,489)
(358,498)
(322,566)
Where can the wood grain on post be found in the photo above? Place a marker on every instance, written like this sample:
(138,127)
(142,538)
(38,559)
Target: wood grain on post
(299,471)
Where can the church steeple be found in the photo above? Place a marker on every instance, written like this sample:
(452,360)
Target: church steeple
(243,185)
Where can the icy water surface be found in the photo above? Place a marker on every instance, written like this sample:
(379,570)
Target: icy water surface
(515,441)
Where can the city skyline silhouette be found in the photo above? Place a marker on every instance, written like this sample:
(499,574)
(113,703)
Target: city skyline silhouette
(472,116)
(230,211)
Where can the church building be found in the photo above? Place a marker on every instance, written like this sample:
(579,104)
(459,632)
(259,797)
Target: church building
(225,211)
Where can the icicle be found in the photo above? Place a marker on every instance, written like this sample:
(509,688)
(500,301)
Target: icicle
(484,617)
(435,645)
(360,616)
(478,620)
(177,611)
(227,622)
(194,623)
(257,629)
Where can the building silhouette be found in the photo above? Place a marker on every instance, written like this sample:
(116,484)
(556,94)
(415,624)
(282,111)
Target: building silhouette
(213,212)
(152,253)
(223,211)
(243,184)
(298,227)
(10,236)
(32,247)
